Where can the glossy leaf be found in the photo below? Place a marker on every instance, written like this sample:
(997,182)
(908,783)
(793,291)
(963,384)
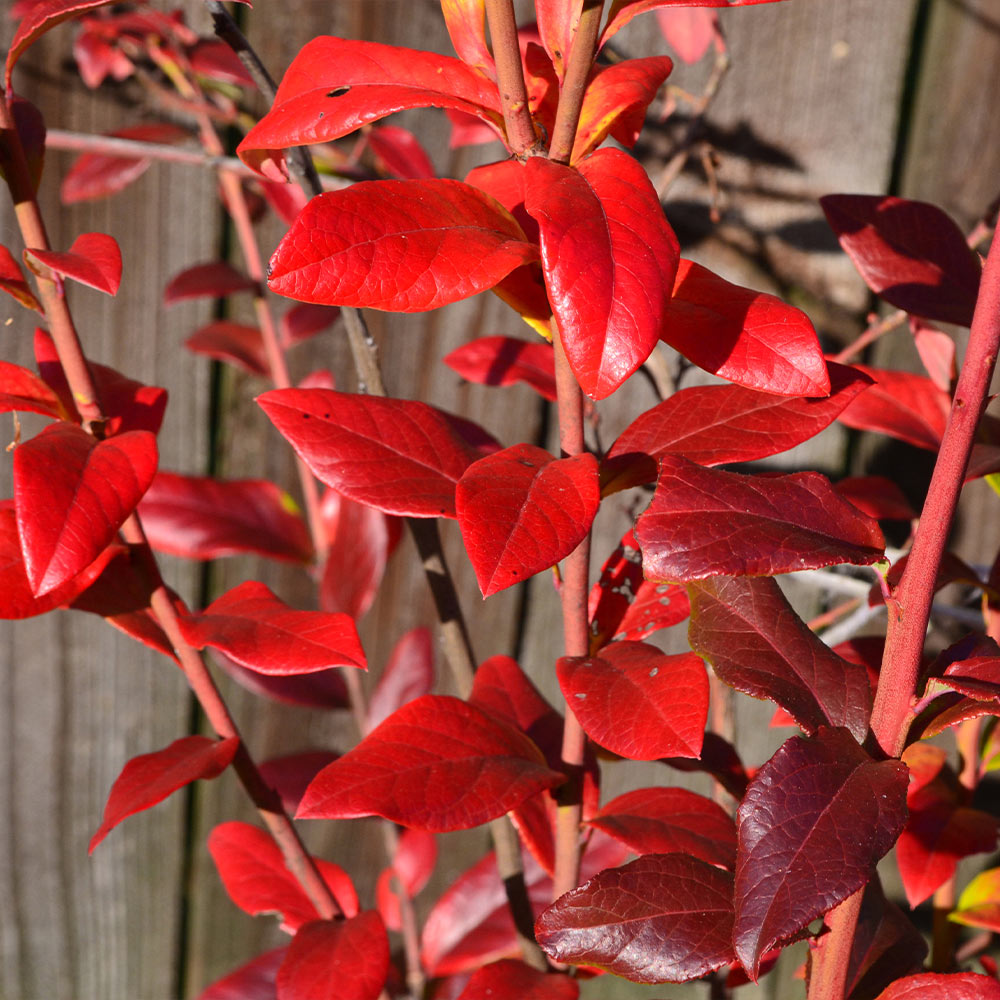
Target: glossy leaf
(638,702)
(290,775)
(236,343)
(716,424)
(979,903)
(347,959)
(150,778)
(510,979)
(466,23)
(215,279)
(608,255)
(662,918)
(436,764)
(408,674)
(72,493)
(253,871)
(23,391)
(257,980)
(399,456)
(335,86)
(405,246)
(706,522)
(521,511)
(13,282)
(94,259)
(670,821)
(756,643)
(505,361)
(909,252)
(814,822)
(943,986)
(622,11)
(201,518)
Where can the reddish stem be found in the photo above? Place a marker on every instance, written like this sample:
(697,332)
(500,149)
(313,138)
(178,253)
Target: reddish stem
(833,953)
(521,137)
(581,59)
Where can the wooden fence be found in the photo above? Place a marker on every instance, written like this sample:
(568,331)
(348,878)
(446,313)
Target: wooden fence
(846,96)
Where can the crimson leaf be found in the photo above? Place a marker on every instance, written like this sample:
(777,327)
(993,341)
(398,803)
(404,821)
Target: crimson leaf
(254,981)
(504,361)
(408,675)
(510,979)
(943,986)
(94,259)
(215,279)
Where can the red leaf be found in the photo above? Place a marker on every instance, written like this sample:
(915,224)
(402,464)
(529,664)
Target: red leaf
(290,775)
(718,759)
(877,496)
(251,626)
(662,918)
(943,986)
(937,353)
(254,874)
(557,23)
(831,813)
(689,32)
(399,456)
(716,424)
(217,61)
(510,979)
(94,259)
(609,256)
(636,701)
(257,980)
(522,511)
(22,390)
(346,959)
(201,518)
(622,11)
(324,689)
(466,23)
(436,764)
(215,280)
(304,321)
(909,252)
(150,778)
(505,361)
(398,152)
(412,866)
(404,246)
(747,337)
(72,493)
(334,86)
(669,821)
(706,522)
(409,674)
(235,343)
(12,281)
(757,644)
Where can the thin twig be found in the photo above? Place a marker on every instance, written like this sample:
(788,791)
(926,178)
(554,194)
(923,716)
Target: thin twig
(521,137)
(578,67)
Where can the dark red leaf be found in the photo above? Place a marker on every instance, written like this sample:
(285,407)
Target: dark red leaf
(706,522)
(215,279)
(670,821)
(290,775)
(13,282)
(201,518)
(943,986)
(718,759)
(334,86)
(521,511)
(235,343)
(637,701)
(409,674)
(399,456)
(505,361)
(22,390)
(94,259)
(304,321)
(151,777)
(622,11)
(256,630)
(662,918)
(716,424)
(72,493)
(324,689)
(510,979)
(257,980)
(909,252)
(814,822)
(757,644)
(398,152)
(689,32)
(346,959)
(253,871)
(747,337)
(877,496)
(404,246)
(436,764)
(608,255)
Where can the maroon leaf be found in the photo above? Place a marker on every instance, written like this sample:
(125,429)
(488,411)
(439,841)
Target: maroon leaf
(877,496)
(510,979)
(718,759)
(253,871)
(504,361)
(405,246)
(706,522)
(94,259)
(622,11)
(943,986)
(324,689)
(347,959)
(215,279)
(235,343)
(814,822)
(72,493)
(716,424)
(409,674)
(290,775)
(304,321)
(747,337)
(522,511)
(670,821)
(201,518)
(436,764)
(638,702)
(150,778)
(22,390)
(609,256)
(334,86)
(251,626)
(13,282)
(757,644)
(909,252)
(399,456)
(257,980)
(662,918)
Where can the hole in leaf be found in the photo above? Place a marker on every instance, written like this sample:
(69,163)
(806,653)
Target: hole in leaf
(338,92)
